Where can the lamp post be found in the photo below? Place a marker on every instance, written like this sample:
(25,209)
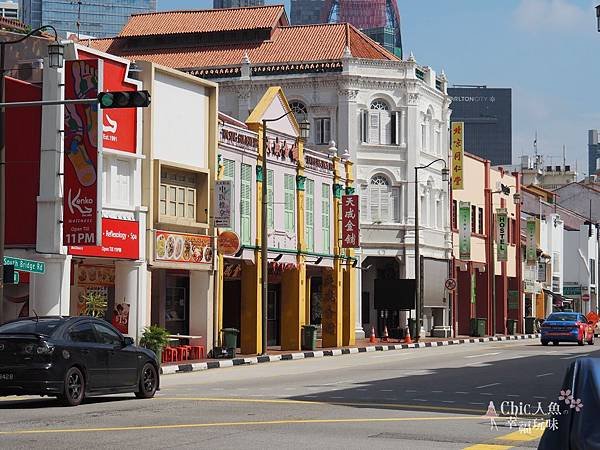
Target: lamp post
(55,60)
(418,296)
(264,252)
(598,16)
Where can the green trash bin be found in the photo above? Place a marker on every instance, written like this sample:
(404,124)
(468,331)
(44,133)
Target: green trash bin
(309,337)
(478,326)
(530,325)
(412,326)
(511,326)
(230,340)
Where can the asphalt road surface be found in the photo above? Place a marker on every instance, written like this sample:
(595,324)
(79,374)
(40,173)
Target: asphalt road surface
(432,398)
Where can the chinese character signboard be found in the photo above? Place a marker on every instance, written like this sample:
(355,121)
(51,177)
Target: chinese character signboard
(531,249)
(83,141)
(350,221)
(457,145)
(464,230)
(501,234)
(223,204)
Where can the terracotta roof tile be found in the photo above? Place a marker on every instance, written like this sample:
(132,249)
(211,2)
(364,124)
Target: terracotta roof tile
(297,44)
(204,21)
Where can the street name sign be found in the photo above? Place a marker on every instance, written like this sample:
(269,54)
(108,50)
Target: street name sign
(26,265)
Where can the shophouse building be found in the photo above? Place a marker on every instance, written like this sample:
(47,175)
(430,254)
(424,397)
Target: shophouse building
(488,275)
(390,114)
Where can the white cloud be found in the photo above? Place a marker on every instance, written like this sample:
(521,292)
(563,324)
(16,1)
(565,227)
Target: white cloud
(553,15)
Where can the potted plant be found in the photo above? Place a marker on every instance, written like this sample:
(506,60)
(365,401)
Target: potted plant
(155,338)
(95,304)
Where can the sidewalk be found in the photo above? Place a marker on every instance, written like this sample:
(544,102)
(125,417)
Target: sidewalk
(362,346)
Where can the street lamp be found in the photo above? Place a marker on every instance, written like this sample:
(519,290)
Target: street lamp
(55,61)
(264,252)
(598,16)
(418,297)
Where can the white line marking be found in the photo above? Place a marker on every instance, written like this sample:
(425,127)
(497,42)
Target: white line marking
(576,356)
(476,403)
(487,385)
(386,390)
(485,393)
(461,392)
(484,354)
(448,401)
(541,398)
(338,397)
(437,392)
(419,400)
(545,374)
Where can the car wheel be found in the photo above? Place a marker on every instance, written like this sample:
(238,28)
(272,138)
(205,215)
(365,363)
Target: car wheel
(74,388)
(554,342)
(148,382)
(544,342)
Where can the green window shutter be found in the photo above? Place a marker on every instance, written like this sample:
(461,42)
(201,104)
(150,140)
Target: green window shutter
(325,221)
(289,194)
(309,221)
(270,221)
(229,174)
(245,203)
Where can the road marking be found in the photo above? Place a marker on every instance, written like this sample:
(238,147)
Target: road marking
(487,385)
(488,447)
(337,397)
(541,398)
(437,392)
(386,390)
(485,393)
(410,390)
(476,403)
(448,401)
(419,400)
(545,374)
(576,356)
(461,392)
(520,436)
(231,424)
(483,354)
(324,403)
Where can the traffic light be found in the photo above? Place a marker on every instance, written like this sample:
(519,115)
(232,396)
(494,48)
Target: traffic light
(124,99)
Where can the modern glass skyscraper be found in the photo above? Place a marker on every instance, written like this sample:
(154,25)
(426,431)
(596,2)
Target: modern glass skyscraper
(97,18)
(219,4)
(378,19)
(593,151)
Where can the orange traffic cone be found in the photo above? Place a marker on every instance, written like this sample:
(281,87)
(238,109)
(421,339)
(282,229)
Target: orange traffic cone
(373,338)
(385,334)
(407,339)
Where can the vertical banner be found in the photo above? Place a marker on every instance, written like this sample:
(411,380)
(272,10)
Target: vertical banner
(458,149)
(501,234)
(120,317)
(350,222)
(531,249)
(223,204)
(82,225)
(464,230)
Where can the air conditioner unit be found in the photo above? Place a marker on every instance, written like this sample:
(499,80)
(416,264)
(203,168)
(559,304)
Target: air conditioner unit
(30,70)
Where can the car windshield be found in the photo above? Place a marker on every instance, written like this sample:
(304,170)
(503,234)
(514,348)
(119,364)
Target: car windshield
(41,326)
(562,317)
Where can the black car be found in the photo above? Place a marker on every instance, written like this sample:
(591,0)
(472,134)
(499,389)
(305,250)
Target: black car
(72,357)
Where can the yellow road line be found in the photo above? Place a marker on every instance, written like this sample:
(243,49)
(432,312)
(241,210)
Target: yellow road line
(231,424)
(312,402)
(522,436)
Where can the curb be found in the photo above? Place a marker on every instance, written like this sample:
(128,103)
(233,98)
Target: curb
(197,367)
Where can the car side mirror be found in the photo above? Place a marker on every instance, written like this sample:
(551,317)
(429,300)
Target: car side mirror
(128,341)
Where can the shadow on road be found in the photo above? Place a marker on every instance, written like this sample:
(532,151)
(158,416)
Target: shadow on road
(50,402)
(463,390)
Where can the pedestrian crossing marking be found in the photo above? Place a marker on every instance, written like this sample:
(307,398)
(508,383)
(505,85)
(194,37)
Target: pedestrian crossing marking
(522,436)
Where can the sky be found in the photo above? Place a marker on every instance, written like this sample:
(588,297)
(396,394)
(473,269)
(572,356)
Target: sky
(547,51)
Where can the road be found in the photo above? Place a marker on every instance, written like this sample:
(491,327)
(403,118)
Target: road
(432,398)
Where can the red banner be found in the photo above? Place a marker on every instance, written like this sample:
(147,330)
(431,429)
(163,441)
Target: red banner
(120,318)
(350,222)
(81,208)
(120,239)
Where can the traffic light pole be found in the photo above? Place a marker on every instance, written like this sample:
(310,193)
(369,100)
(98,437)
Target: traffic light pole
(88,101)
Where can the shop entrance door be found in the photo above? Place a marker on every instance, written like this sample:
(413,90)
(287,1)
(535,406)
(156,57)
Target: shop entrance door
(177,304)
(273,316)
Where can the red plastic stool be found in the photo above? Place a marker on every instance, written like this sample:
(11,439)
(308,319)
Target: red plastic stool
(169,354)
(197,352)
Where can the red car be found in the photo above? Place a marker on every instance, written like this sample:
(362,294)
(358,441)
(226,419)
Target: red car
(567,327)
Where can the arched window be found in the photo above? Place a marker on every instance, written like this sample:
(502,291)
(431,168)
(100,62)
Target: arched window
(298,108)
(379,123)
(380,200)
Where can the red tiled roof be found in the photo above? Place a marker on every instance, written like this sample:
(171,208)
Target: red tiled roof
(308,43)
(12,25)
(204,21)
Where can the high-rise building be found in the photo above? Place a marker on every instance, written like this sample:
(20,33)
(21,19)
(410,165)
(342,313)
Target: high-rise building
(378,19)
(593,151)
(9,10)
(487,114)
(219,4)
(98,19)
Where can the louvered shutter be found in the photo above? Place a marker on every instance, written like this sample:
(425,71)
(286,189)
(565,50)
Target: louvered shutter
(385,127)
(245,203)
(374,201)
(374,124)
(309,214)
(270,221)
(325,218)
(229,174)
(364,203)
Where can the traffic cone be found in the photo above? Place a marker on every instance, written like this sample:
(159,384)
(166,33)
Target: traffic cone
(373,338)
(385,334)
(407,339)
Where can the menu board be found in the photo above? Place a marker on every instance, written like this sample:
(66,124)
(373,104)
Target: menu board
(183,248)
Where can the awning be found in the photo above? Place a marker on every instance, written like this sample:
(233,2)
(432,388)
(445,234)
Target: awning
(557,299)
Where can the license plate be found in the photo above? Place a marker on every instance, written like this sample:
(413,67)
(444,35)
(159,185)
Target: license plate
(6,376)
